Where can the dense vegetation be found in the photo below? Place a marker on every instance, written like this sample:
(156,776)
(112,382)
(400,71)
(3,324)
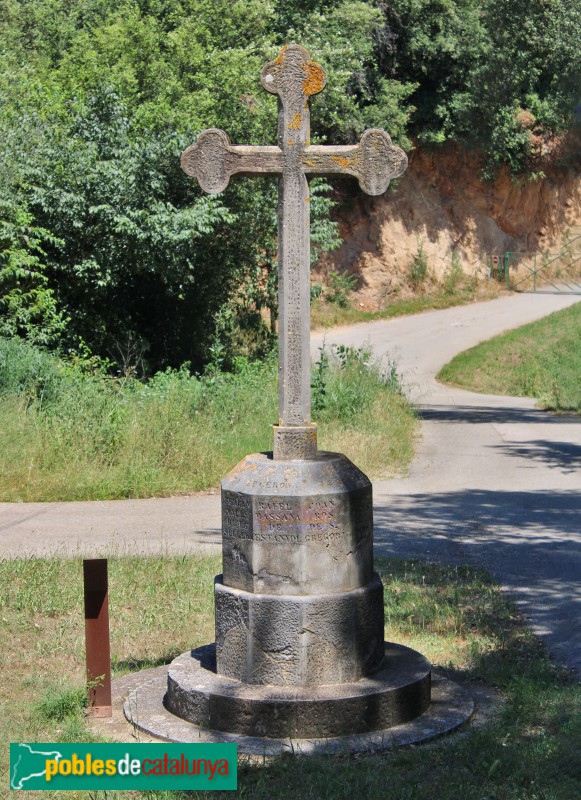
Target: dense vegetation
(107,249)
(71,432)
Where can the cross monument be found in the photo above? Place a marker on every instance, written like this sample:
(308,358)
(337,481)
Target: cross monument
(374,161)
(299,653)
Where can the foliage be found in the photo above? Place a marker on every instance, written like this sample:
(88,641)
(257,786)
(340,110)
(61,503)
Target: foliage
(356,97)
(500,75)
(453,275)
(105,244)
(340,287)
(72,432)
(28,307)
(345,382)
(91,151)
(319,381)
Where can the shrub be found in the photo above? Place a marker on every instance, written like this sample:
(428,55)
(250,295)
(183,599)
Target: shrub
(341,285)
(418,268)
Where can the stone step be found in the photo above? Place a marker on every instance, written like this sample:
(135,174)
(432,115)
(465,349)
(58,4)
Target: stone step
(398,691)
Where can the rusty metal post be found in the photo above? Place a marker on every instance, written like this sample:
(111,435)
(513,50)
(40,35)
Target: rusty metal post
(97,637)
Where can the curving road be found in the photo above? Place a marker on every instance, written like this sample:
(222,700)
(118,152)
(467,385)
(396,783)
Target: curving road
(494,482)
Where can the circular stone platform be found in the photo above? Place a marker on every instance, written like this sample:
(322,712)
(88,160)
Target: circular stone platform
(371,714)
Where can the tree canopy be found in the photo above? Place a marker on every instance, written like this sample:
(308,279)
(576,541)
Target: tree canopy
(105,245)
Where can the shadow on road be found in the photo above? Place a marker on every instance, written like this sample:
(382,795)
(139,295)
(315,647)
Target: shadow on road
(494,414)
(539,516)
(555,455)
(529,541)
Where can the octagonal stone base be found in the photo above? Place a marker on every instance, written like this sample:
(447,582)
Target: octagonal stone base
(299,640)
(398,691)
(297,527)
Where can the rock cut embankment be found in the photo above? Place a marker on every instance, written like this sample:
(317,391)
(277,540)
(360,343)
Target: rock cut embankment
(443,205)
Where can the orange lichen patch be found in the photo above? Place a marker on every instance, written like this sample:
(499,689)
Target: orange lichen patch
(315,80)
(342,161)
(296,122)
(307,199)
(280,57)
(290,142)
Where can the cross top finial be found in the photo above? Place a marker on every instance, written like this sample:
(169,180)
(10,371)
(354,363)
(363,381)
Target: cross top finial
(292,75)
(295,79)
(374,162)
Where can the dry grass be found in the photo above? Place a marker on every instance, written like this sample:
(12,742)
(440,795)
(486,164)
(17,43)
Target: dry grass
(162,606)
(383,443)
(330,315)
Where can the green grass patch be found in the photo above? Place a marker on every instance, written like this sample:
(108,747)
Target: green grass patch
(541,360)
(161,606)
(66,434)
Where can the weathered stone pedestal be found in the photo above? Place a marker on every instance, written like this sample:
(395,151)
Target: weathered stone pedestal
(298,603)
(299,646)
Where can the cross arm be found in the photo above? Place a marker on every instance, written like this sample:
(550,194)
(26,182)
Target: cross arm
(375,161)
(213,160)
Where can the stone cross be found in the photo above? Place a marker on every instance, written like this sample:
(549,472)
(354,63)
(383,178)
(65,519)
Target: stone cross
(374,161)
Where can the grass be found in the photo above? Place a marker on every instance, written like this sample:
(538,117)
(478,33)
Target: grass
(329,315)
(540,360)
(161,606)
(72,435)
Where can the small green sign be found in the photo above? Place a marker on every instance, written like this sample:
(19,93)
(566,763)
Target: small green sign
(123,766)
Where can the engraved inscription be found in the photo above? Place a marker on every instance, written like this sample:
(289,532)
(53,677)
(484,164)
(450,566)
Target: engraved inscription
(278,537)
(322,510)
(322,535)
(236,516)
(267,485)
(272,513)
(280,520)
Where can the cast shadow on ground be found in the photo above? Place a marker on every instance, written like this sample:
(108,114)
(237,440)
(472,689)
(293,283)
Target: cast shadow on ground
(565,456)
(529,541)
(494,414)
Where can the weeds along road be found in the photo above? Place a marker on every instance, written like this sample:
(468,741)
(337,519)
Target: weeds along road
(493,483)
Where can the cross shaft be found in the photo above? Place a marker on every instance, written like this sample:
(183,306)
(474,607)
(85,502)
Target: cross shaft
(374,162)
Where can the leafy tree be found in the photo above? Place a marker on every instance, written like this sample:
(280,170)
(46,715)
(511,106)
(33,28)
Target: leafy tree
(106,245)
(532,81)
(498,75)
(28,307)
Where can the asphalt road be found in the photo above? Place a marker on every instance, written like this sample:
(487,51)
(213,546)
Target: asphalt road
(494,482)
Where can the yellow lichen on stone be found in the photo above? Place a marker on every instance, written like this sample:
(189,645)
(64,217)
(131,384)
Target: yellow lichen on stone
(280,58)
(342,161)
(315,80)
(296,122)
